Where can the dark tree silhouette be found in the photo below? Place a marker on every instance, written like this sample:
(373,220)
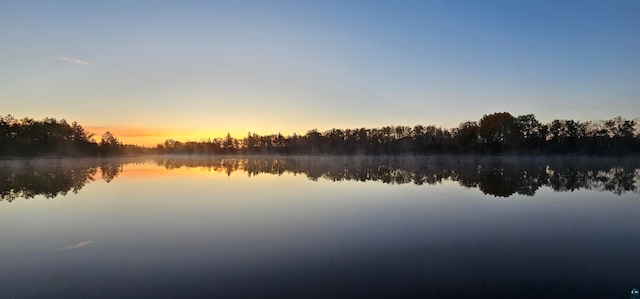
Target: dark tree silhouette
(29,137)
(497,133)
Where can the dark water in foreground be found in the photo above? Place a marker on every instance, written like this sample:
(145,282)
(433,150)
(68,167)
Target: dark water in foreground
(331,227)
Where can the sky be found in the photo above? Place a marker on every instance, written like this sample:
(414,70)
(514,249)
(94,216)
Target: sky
(187,70)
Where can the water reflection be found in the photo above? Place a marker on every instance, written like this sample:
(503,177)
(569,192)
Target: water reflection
(52,177)
(497,176)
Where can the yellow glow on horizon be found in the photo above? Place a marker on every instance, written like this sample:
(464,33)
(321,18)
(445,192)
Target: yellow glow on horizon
(150,137)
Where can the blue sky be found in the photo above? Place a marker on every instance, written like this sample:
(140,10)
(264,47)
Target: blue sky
(211,67)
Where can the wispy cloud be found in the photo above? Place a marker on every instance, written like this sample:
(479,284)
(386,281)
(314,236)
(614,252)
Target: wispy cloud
(73,60)
(76,245)
(14,259)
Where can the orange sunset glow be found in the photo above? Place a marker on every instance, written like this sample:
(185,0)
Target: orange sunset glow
(150,137)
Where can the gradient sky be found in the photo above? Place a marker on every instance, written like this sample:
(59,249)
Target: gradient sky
(197,69)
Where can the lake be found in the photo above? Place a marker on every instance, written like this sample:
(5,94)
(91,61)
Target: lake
(320,227)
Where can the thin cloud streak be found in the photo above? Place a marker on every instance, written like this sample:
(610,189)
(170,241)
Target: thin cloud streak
(73,60)
(14,259)
(76,245)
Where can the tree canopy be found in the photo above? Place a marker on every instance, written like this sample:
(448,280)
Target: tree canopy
(28,137)
(496,133)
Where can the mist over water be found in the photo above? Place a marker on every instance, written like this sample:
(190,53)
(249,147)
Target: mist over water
(318,227)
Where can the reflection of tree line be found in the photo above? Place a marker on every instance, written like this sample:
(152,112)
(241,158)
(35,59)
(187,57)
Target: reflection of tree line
(52,177)
(498,176)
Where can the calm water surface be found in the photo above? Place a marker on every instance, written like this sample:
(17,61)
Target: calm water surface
(308,227)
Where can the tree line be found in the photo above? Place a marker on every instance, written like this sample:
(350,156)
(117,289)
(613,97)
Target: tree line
(27,137)
(497,133)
